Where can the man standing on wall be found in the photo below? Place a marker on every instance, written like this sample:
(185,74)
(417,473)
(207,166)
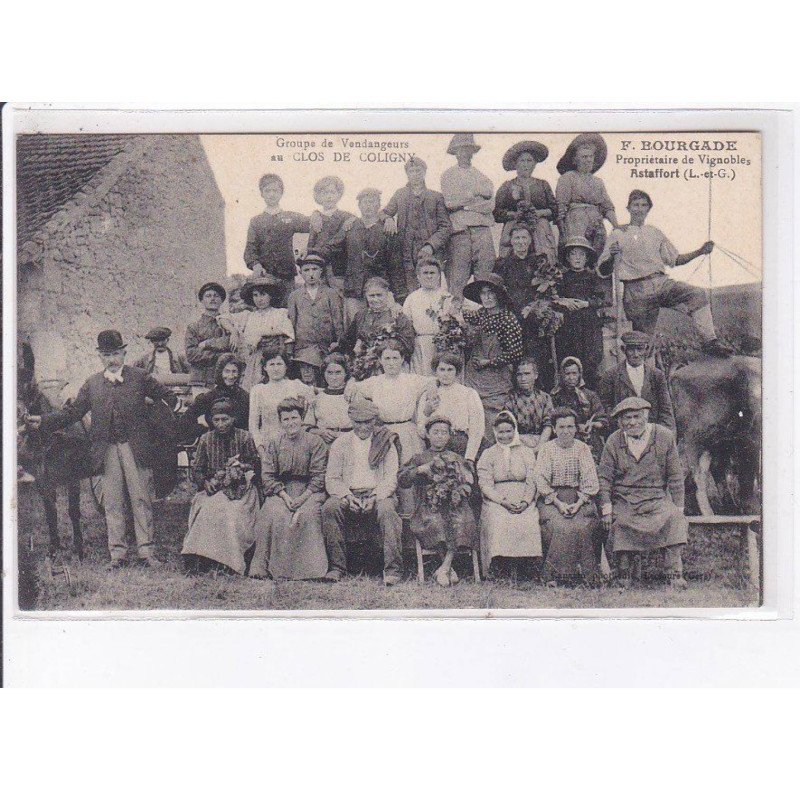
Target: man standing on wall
(123,447)
(468,197)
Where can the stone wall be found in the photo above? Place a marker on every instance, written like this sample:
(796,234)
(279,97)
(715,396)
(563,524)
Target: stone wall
(127,252)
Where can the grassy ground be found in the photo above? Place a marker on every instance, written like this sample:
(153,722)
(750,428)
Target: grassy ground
(711,567)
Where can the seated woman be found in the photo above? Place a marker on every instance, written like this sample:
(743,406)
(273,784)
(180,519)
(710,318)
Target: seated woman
(460,404)
(222,517)
(527,200)
(509,519)
(290,543)
(494,343)
(328,415)
(582,199)
(266,327)
(226,384)
(442,483)
(422,307)
(531,407)
(396,394)
(566,479)
(264,398)
(590,415)
(381,315)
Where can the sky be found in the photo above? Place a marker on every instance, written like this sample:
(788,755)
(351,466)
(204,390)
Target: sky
(680,205)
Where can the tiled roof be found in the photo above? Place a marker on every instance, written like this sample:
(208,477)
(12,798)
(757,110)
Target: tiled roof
(51,168)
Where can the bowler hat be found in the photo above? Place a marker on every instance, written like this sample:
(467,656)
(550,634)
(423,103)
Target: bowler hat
(536,149)
(593,140)
(266,282)
(218,288)
(462,140)
(472,291)
(630,404)
(633,338)
(158,334)
(362,410)
(109,341)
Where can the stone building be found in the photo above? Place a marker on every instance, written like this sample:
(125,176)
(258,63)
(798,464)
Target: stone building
(113,231)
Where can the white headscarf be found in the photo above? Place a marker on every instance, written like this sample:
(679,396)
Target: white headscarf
(505,449)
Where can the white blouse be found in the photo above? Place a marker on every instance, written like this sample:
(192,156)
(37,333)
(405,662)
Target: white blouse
(396,398)
(419,303)
(264,399)
(250,326)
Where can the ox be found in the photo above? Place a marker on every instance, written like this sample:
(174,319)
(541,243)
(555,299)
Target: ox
(718,417)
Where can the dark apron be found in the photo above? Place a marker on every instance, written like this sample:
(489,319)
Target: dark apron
(491,383)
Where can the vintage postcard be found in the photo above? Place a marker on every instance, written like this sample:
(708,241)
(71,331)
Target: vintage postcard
(463,369)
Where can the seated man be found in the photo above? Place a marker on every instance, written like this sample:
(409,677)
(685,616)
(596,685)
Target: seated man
(641,491)
(161,360)
(636,378)
(206,339)
(361,479)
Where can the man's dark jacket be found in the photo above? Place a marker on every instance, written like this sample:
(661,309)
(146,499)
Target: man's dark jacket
(615,386)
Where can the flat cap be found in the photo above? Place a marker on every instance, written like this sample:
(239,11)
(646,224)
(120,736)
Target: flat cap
(635,337)
(158,334)
(630,404)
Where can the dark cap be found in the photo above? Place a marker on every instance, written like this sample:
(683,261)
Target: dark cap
(158,334)
(218,288)
(109,341)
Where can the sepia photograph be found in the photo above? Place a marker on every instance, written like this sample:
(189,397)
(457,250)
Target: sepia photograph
(314,371)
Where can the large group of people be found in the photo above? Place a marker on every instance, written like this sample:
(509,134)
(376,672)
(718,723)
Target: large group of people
(400,377)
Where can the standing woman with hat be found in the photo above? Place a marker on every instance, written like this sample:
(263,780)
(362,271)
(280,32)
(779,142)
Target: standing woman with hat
(527,199)
(582,298)
(494,344)
(582,199)
(265,327)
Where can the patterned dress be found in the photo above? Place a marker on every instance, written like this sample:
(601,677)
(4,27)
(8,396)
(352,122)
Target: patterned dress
(532,411)
(572,544)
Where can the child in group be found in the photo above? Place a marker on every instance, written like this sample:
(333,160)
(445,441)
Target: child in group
(422,307)
(270,237)
(329,226)
(442,480)
(315,310)
(369,250)
(265,326)
(222,517)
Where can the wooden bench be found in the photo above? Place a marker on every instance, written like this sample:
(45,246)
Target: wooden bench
(750,541)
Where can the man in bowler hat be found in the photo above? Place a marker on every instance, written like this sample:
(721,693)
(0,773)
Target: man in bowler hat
(123,448)
(206,340)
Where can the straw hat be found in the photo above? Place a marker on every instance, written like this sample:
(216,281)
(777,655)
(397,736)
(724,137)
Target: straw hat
(536,149)
(267,282)
(593,140)
(462,140)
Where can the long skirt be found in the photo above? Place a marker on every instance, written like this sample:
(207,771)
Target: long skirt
(570,543)
(507,534)
(585,220)
(411,444)
(424,351)
(452,529)
(647,525)
(222,529)
(290,545)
